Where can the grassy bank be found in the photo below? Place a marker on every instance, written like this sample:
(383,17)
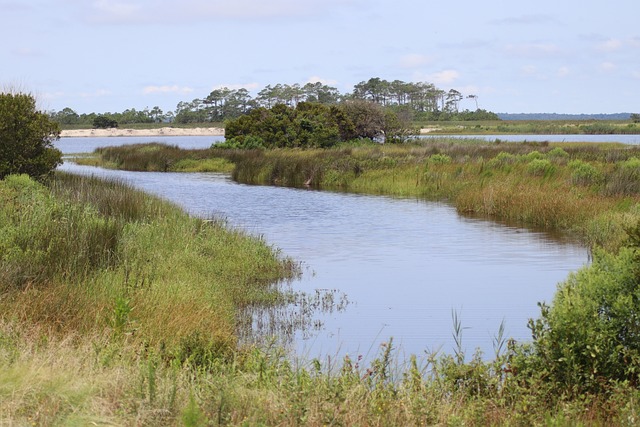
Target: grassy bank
(590,191)
(119,309)
(109,272)
(531,127)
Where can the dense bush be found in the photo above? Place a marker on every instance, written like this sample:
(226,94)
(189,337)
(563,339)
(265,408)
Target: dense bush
(540,167)
(312,125)
(583,173)
(589,337)
(26,138)
(104,122)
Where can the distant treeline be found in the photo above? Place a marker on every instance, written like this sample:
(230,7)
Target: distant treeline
(556,116)
(412,101)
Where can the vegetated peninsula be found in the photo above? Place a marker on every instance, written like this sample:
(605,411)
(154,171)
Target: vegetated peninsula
(560,116)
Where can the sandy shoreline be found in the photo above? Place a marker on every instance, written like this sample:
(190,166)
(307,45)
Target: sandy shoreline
(165,131)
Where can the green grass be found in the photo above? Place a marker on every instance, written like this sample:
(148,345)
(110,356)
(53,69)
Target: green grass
(590,191)
(117,308)
(531,127)
(535,184)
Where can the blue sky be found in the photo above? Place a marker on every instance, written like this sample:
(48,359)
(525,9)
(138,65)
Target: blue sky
(535,56)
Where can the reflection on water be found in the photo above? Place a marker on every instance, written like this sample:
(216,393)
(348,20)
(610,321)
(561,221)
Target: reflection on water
(402,265)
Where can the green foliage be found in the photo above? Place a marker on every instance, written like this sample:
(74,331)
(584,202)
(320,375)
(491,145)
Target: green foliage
(588,338)
(439,159)
(502,159)
(38,234)
(104,122)
(311,125)
(557,153)
(625,179)
(583,173)
(533,155)
(26,138)
(540,167)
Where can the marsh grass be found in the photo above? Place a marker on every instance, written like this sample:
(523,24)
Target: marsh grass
(105,255)
(157,157)
(141,328)
(556,186)
(92,379)
(565,187)
(535,127)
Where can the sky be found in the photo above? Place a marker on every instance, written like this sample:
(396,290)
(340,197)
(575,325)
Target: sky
(552,56)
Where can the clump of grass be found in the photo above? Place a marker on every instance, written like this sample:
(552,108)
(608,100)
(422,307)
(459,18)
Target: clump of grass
(540,167)
(157,157)
(584,173)
(109,256)
(625,178)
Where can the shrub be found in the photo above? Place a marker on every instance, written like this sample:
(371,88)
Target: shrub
(26,138)
(588,338)
(533,155)
(502,159)
(557,153)
(439,159)
(540,167)
(104,122)
(584,173)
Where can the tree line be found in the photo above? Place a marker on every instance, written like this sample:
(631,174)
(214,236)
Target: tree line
(411,101)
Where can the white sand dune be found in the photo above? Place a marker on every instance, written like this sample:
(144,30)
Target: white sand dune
(165,131)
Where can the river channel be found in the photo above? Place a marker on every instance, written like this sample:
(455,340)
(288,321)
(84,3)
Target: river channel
(390,267)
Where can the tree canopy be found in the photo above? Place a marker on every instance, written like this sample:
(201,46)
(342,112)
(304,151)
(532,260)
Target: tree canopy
(313,125)
(26,137)
(410,100)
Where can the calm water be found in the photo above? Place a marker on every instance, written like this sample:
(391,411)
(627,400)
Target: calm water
(403,265)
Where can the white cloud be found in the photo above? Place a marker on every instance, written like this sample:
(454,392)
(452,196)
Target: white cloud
(415,60)
(96,94)
(182,11)
(608,67)
(610,45)
(236,86)
(149,90)
(110,11)
(533,49)
(53,95)
(526,20)
(563,71)
(328,82)
(27,52)
(443,77)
